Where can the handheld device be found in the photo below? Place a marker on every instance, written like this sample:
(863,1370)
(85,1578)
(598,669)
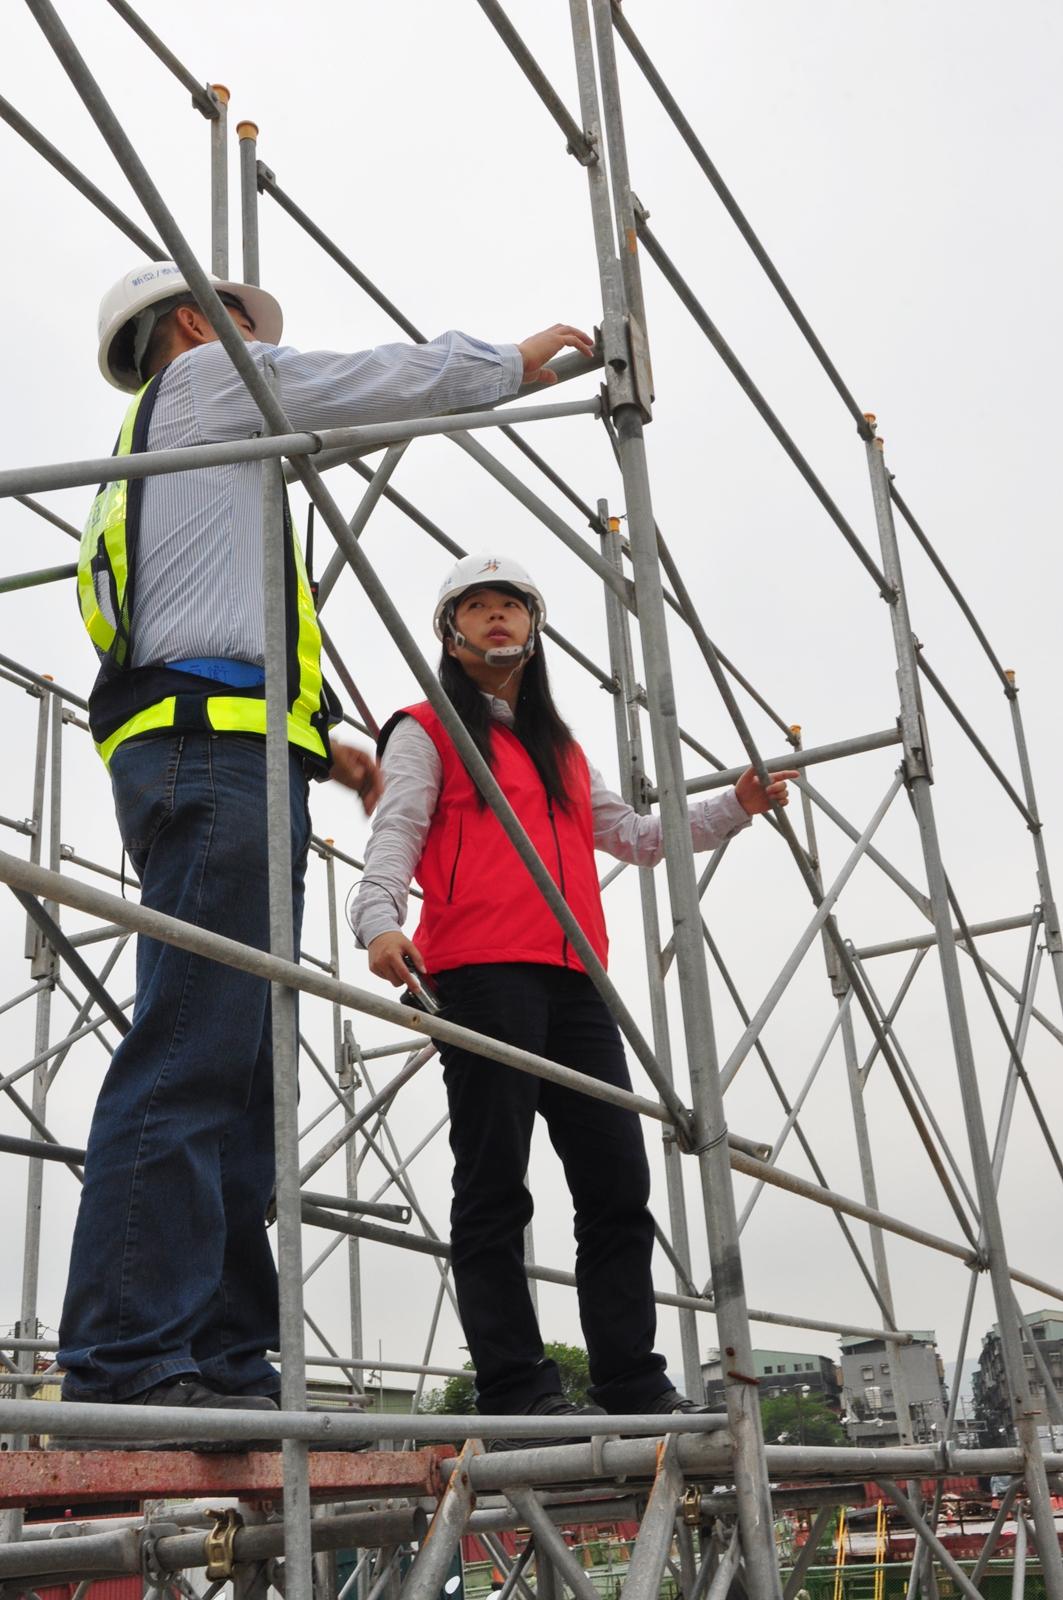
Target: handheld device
(419,994)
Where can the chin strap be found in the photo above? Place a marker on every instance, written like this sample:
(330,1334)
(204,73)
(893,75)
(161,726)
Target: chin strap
(503,655)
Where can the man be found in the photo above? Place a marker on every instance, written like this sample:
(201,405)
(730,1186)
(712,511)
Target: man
(172,1292)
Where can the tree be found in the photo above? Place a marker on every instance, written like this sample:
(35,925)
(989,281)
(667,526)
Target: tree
(797,1418)
(458,1397)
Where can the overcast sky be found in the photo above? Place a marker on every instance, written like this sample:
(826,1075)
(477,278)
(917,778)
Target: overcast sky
(899,165)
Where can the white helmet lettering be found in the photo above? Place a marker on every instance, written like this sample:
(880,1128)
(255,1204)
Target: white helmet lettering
(470,571)
(145,286)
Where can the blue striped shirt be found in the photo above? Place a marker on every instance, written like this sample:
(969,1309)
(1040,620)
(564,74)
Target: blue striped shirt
(199,560)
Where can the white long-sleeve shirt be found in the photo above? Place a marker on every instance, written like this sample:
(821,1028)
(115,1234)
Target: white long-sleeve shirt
(413,776)
(199,560)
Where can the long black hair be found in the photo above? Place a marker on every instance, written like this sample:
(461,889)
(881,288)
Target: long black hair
(538,724)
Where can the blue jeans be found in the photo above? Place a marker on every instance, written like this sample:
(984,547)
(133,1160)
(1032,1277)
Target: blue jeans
(171,1271)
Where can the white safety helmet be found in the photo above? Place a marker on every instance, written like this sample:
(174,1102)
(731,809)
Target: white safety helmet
(122,326)
(488,572)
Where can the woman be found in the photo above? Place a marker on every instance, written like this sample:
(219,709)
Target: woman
(501,964)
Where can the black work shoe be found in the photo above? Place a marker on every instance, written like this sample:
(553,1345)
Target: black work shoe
(548,1405)
(672,1402)
(181,1391)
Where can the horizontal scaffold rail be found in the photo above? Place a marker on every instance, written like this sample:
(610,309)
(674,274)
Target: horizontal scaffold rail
(683,1302)
(710,1457)
(811,757)
(74,892)
(120,1550)
(925,941)
(81,896)
(704,1445)
(88,1420)
(152,463)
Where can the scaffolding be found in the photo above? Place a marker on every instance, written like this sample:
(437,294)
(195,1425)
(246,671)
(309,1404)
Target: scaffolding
(705,1488)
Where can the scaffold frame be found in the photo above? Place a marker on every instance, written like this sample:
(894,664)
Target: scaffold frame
(706,1486)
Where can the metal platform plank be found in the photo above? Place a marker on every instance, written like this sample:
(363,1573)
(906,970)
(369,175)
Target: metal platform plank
(79,1477)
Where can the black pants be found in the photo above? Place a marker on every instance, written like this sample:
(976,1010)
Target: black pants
(555,1013)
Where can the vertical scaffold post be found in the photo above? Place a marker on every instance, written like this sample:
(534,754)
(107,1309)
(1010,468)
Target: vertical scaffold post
(247,133)
(40,774)
(918,778)
(42,961)
(219,183)
(628,378)
(839,982)
(297,1549)
(840,985)
(1049,913)
(43,969)
(632,787)
(343,1063)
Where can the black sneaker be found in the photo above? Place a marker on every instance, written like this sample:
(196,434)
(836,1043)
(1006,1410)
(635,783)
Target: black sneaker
(672,1402)
(182,1391)
(548,1405)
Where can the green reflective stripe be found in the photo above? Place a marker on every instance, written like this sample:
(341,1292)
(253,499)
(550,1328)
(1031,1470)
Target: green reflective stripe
(228,713)
(232,714)
(101,630)
(308,642)
(114,531)
(105,535)
(159,715)
(115,500)
(105,546)
(125,438)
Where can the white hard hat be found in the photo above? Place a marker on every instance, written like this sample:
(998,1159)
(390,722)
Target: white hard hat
(487,572)
(147,285)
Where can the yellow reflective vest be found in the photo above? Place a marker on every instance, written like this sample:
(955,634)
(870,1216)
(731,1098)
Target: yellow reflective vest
(128,701)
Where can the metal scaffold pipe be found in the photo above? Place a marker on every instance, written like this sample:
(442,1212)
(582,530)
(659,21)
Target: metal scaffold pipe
(27,878)
(578,143)
(315,1217)
(219,183)
(629,388)
(745,382)
(247,134)
(278,442)
(627,720)
(918,777)
(284,1023)
(745,228)
(927,941)
(712,172)
(806,869)
(565,367)
(1049,912)
(55,158)
(798,759)
(827,902)
(665,1452)
(120,1550)
(202,95)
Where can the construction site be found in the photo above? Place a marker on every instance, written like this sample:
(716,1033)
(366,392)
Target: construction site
(843,1032)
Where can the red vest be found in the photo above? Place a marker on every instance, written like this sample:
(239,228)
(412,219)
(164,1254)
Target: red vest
(481,904)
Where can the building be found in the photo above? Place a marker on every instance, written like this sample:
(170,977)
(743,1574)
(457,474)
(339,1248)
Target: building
(871,1414)
(779,1371)
(389,1398)
(992,1411)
